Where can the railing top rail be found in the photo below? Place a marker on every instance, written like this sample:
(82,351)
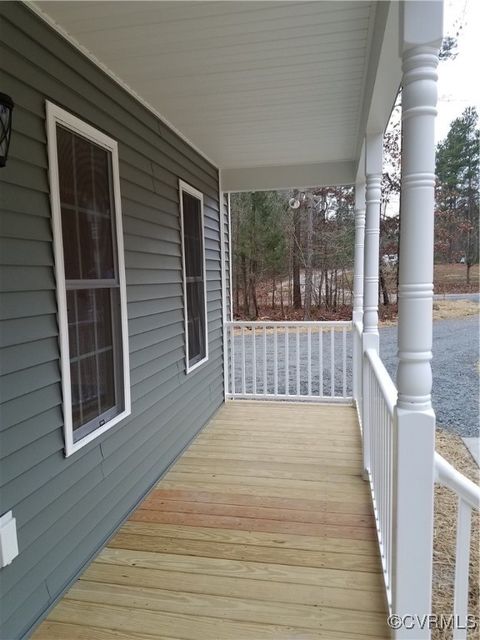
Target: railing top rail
(448,476)
(385,383)
(289,323)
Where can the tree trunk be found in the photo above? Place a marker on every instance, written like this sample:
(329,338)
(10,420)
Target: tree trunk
(297,293)
(253,298)
(308,264)
(469,266)
(273,293)
(320,288)
(383,286)
(335,296)
(281,300)
(245,285)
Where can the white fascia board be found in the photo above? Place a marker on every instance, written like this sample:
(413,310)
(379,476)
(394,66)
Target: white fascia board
(384,74)
(279,177)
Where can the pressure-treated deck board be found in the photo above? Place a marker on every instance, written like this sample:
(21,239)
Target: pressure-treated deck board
(263,529)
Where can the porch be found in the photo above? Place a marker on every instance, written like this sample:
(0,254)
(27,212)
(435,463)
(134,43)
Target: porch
(263,528)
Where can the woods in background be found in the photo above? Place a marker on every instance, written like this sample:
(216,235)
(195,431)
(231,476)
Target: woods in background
(288,258)
(297,261)
(457,193)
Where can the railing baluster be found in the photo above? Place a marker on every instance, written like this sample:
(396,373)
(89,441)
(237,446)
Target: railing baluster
(460,607)
(243,360)
(298,360)
(332,362)
(309,361)
(265,386)
(344,353)
(232,339)
(287,364)
(275,361)
(254,361)
(320,362)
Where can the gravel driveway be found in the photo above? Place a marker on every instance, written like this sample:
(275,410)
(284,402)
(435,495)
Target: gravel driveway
(455,372)
(455,368)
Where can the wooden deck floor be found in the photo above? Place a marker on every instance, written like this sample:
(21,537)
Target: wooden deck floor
(262,529)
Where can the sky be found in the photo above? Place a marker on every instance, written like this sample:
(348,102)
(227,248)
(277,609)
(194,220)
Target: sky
(458,80)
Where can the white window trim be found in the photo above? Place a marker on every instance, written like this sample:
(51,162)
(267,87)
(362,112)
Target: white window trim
(185,187)
(56,115)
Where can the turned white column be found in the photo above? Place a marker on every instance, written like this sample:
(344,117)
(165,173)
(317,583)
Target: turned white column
(357,313)
(359,252)
(420,39)
(373,179)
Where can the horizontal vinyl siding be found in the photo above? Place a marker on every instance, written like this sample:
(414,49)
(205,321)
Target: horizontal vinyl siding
(67,508)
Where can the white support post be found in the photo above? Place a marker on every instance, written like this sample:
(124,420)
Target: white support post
(420,38)
(373,176)
(357,314)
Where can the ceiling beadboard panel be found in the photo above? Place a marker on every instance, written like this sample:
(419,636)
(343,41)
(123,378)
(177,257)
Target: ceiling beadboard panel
(249,83)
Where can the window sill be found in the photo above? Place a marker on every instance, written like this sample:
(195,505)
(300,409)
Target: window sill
(72,447)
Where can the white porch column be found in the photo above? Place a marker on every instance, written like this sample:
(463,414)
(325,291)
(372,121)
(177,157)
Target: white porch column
(420,39)
(357,312)
(373,177)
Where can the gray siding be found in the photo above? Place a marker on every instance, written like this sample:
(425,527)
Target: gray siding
(66,508)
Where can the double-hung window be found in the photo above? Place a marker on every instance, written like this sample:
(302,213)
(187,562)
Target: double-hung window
(194,281)
(90,272)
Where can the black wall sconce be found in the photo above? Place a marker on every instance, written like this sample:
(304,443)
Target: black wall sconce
(6,108)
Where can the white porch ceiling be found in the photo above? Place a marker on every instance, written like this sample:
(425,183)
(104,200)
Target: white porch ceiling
(250,84)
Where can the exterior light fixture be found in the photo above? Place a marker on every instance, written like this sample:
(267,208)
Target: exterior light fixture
(6,108)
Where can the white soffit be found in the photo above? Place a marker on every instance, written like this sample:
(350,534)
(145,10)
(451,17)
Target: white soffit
(249,83)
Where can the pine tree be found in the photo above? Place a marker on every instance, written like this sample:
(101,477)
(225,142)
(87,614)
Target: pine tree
(457,193)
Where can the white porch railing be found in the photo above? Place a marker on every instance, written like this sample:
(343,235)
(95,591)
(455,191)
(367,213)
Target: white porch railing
(290,361)
(378,406)
(468,499)
(379,430)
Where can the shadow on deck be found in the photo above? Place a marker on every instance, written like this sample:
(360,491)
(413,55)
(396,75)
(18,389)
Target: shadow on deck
(262,529)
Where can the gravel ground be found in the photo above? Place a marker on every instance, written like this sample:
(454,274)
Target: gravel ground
(455,368)
(455,372)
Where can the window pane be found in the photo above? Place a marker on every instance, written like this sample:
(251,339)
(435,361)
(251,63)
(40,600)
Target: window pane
(193,251)
(83,173)
(103,316)
(196,326)
(86,320)
(106,381)
(87,208)
(102,181)
(96,246)
(95,353)
(88,389)
(65,165)
(71,253)
(192,223)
